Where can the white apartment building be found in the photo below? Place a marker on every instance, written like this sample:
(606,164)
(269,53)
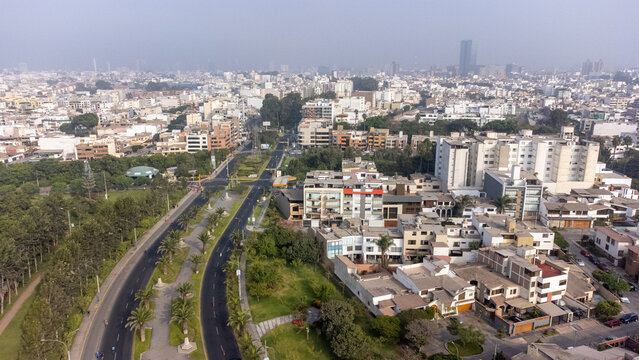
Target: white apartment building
(321,109)
(197,142)
(615,242)
(359,244)
(561,163)
(314,133)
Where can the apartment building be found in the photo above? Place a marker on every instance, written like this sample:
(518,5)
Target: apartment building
(314,133)
(523,188)
(567,214)
(343,139)
(540,279)
(505,230)
(561,163)
(321,109)
(615,242)
(377,138)
(323,195)
(358,242)
(398,141)
(363,197)
(291,203)
(197,142)
(96,149)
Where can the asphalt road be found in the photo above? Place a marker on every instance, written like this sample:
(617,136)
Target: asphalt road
(218,336)
(107,330)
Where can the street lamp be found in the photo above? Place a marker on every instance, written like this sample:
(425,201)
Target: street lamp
(61,342)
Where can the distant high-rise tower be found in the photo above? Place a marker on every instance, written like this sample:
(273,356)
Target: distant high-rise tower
(394,69)
(466,57)
(95,66)
(586,67)
(598,66)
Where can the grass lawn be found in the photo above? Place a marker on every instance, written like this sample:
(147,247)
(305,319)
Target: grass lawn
(288,342)
(250,164)
(10,338)
(295,288)
(172,270)
(469,350)
(139,347)
(257,211)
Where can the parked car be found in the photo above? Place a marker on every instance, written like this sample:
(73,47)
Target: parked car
(633,287)
(624,300)
(580,262)
(628,318)
(613,323)
(603,267)
(593,259)
(585,253)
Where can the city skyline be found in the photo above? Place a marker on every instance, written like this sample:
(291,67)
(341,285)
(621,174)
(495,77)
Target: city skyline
(168,38)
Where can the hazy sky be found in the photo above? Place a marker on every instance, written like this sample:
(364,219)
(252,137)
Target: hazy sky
(248,34)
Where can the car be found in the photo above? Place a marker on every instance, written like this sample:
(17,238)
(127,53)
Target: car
(585,253)
(628,318)
(593,259)
(613,323)
(633,287)
(603,267)
(580,262)
(624,300)
(609,338)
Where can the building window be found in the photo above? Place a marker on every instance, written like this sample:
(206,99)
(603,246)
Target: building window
(412,242)
(562,282)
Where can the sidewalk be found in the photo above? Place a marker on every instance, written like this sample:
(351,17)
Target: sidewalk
(160,347)
(9,315)
(259,219)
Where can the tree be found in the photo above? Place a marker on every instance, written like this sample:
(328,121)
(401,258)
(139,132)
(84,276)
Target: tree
(419,331)
(270,110)
(386,327)
(499,356)
(138,319)
(168,247)
(469,335)
(350,342)
(182,311)
(30,188)
(364,84)
(453,327)
(502,203)
(184,289)
(238,319)
(384,242)
(197,260)
(616,141)
(204,237)
(220,212)
(322,290)
(145,296)
(88,179)
(335,314)
(184,221)
(163,262)
(236,237)
(406,316)
(463,202)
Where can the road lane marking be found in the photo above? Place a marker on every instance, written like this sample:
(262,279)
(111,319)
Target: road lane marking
(127,305)
(131,293)
(118,339)
(223,352)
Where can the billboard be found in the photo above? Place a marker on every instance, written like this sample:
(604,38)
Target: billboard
(265,146)
(266,123)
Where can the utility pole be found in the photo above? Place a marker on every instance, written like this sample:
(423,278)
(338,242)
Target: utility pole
(97,280)
(167,203)
(106,190)
(69,219)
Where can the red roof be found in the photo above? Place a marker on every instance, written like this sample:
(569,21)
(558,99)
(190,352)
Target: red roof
(547,271)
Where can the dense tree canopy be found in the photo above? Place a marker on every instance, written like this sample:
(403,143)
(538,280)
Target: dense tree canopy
(88,120)
(365,84)
(285,113)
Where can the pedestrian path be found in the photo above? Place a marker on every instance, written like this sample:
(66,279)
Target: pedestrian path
(9,315)
(268,325)
(160,348)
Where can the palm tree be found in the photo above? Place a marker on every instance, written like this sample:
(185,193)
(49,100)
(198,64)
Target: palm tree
(168,247)
(462,203)
(232,264)
(384,242)
(204,237)
(197,259)
(184,221)
(184,289)
(138,319)
(181,312)
(208,193)
(176,235)
(220,212)
(502,203)
(145,295)
(164,262)
(238,319)
(236,237)
(214,219)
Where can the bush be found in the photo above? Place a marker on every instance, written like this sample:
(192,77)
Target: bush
(407,316)
(607,308)
(560,240)
(615,283)
(387,327)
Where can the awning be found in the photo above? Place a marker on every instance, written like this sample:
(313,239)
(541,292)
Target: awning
(552,309)
(519,303)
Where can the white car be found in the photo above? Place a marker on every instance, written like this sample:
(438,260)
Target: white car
(624,300)
(580,262)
